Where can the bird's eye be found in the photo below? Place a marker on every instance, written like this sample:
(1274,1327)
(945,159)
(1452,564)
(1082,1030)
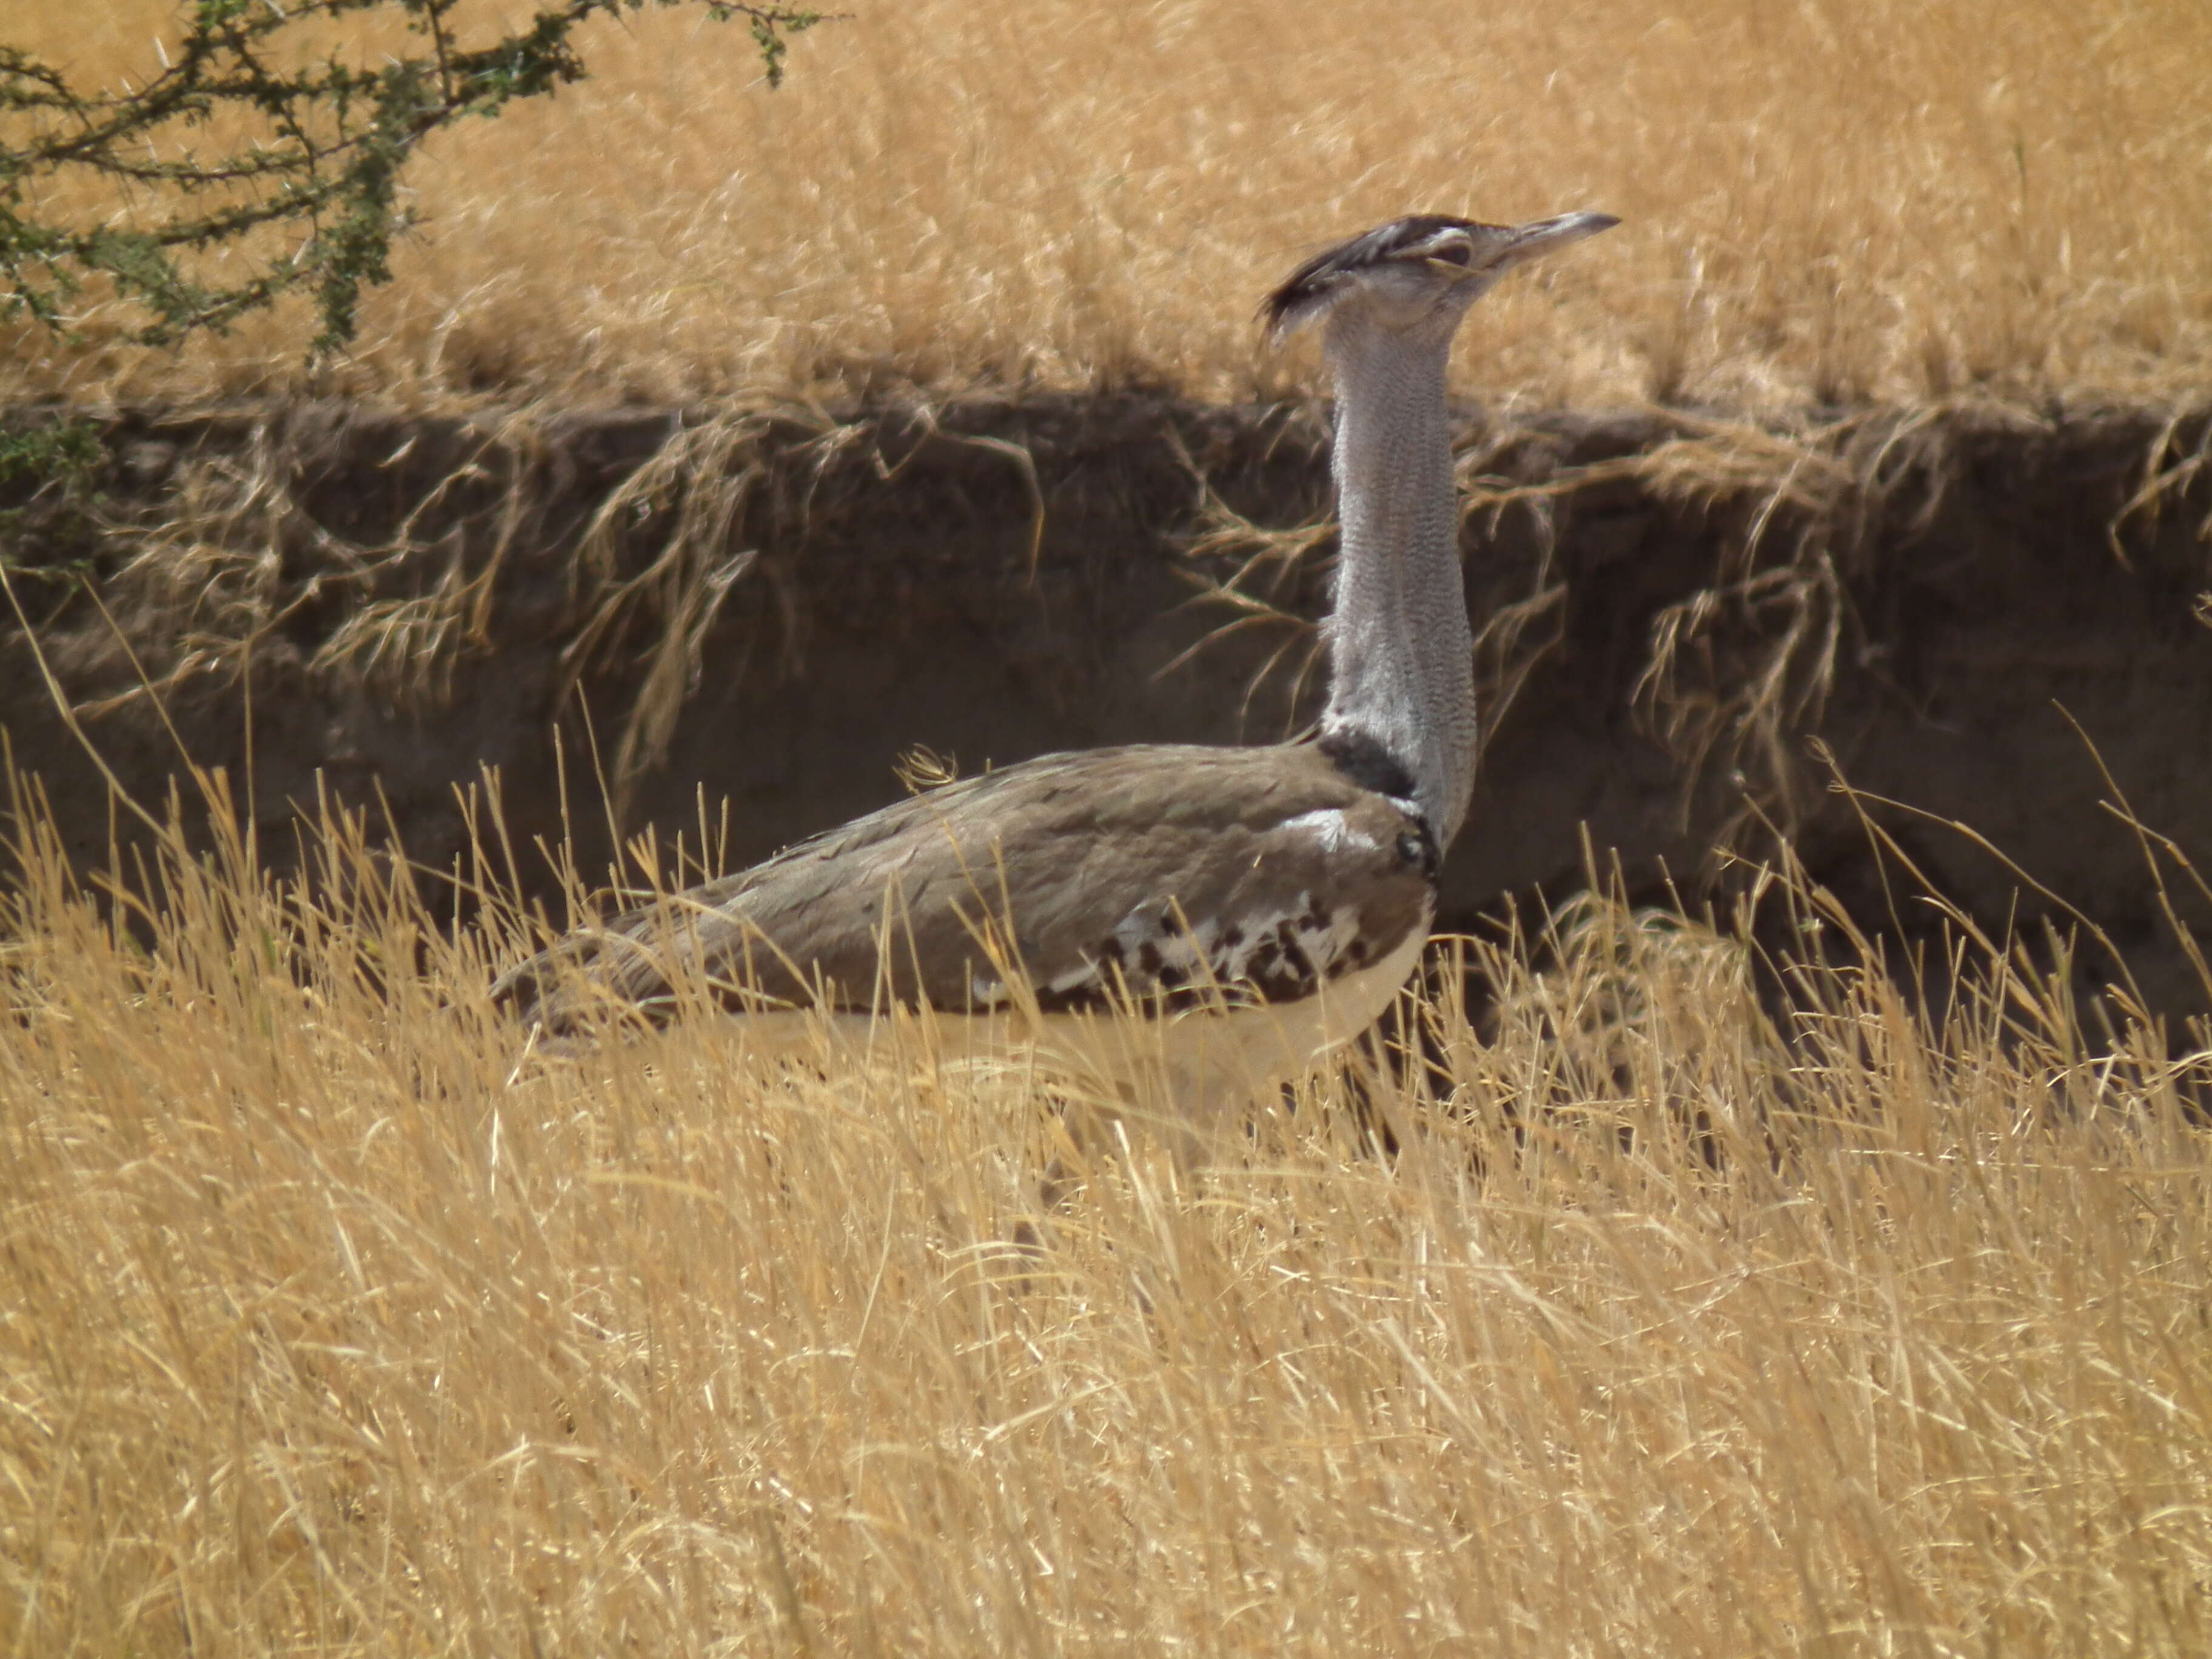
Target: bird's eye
(1450,253)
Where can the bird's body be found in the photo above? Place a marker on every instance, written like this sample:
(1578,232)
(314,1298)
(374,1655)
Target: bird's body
(1263,912)
(1252,908)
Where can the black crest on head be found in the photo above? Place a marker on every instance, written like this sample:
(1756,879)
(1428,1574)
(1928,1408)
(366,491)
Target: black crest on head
(1313,282)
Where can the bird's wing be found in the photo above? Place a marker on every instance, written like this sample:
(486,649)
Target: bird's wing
(1151,874)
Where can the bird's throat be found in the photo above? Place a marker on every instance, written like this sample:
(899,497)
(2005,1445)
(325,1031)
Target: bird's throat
(1401,655)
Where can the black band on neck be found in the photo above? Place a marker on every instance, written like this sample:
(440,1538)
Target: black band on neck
(1363,758)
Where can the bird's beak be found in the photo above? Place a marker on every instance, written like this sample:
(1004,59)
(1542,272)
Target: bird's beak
(1544,236)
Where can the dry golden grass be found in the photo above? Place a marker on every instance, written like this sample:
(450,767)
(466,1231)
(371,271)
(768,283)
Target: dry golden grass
(1833,202)
(1670,1329)
(1667,1332)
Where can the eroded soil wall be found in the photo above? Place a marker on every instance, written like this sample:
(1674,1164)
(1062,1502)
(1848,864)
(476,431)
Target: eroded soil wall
(1692,627)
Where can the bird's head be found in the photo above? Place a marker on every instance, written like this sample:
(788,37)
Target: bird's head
(1418,275)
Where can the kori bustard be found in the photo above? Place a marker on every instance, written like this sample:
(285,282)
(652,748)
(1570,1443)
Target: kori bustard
(1217,919)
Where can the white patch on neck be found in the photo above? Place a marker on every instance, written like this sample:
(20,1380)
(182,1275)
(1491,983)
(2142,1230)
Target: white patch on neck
(1333,830)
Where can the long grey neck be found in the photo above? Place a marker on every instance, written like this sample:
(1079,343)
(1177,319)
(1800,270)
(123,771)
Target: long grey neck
(1400,653)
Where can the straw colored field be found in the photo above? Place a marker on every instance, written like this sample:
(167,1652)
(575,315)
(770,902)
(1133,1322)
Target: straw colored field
(1668,1330)
(1830,202)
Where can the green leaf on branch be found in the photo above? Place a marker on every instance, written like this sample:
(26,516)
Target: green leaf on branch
(310,197)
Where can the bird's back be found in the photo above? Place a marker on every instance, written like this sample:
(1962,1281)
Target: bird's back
(1152,877)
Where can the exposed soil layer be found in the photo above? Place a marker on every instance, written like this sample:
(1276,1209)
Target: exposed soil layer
(1976,614)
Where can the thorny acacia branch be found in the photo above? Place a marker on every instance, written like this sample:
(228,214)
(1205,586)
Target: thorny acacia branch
(302,174)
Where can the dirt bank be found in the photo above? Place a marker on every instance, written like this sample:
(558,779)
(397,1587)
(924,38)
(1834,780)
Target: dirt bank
(1680,614)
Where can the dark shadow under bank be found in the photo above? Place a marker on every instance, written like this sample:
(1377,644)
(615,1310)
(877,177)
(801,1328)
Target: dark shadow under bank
(1974,613)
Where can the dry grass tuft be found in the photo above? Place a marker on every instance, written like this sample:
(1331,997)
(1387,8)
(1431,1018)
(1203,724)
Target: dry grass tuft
(1828,203)
(692,490)
(1679,1324)
(235,551)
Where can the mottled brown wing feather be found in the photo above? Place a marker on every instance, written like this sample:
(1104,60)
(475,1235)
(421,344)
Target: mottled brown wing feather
(1155,872)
